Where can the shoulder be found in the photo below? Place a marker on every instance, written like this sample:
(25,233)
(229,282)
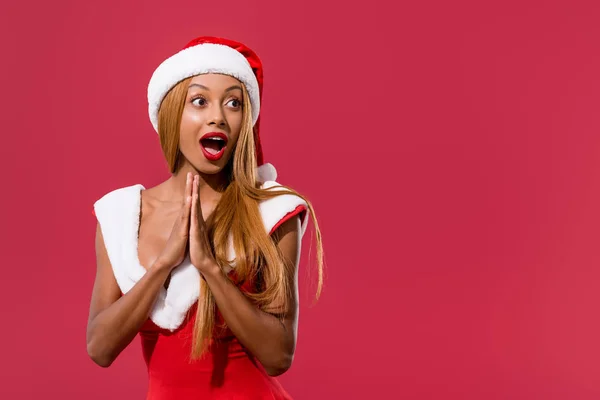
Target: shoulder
(120,192)
(117,199)
(278,210)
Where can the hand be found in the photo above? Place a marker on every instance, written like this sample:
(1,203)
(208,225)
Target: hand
(174,252)
(200,252)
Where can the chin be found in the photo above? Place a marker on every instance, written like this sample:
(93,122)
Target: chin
(201,163)
(208,167)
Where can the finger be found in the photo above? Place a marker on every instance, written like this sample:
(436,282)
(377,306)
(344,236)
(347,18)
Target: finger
(189,183)
(185,211)
(199,220)
(198,204)
(194,216)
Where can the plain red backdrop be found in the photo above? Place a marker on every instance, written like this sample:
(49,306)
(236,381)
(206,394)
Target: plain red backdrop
(451,151)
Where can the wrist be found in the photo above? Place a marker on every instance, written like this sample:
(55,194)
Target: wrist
(212,270)
(159,265)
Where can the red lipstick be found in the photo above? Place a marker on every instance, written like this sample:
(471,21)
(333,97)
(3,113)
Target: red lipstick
(213,145)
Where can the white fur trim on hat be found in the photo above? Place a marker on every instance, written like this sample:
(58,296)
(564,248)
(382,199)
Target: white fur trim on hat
(203,58)
(266,172)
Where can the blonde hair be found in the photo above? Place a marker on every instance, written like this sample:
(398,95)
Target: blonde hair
(258,258)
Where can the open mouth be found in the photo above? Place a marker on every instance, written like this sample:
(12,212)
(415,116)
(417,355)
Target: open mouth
(213,145)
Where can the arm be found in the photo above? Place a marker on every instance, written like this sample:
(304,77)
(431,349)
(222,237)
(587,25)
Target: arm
(114,320)
(271,341)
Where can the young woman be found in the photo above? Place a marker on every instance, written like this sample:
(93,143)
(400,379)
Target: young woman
(204,265)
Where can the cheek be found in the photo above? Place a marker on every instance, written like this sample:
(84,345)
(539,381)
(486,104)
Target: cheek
(190,123)
(235,123)
(190,119)
(232,143)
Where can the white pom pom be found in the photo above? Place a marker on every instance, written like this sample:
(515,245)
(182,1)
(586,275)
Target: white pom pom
(266,172)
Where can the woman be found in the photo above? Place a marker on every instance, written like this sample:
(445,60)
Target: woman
(204,265)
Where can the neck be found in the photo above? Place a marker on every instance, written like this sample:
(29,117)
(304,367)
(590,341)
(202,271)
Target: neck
(210,187)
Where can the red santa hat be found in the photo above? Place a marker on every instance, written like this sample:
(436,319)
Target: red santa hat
(205,55)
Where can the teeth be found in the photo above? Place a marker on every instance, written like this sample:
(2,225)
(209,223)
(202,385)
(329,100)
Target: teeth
(215,138)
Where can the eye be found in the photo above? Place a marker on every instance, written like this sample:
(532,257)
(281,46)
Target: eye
(199,101)
(235,103)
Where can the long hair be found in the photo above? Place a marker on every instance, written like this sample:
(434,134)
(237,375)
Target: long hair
(237,216)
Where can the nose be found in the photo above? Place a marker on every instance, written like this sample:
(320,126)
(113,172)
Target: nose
(216,117)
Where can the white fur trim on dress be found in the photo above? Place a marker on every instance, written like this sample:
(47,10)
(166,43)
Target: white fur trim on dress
(201,59)
(118,214)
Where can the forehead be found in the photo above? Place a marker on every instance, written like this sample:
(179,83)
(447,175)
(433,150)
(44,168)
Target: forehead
(215,81)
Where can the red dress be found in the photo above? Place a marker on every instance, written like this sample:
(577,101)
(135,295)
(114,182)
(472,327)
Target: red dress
(227,371)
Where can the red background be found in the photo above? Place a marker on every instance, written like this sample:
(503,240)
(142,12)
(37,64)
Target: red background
(451,151)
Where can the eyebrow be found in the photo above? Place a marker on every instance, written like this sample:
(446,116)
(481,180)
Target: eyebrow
(199,85)
(207,89)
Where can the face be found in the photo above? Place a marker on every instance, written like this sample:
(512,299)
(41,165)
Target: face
(211,121)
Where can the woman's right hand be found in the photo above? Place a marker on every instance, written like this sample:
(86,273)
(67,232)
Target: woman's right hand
(174,252)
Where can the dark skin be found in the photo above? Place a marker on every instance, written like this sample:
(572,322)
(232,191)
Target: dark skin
(173,219)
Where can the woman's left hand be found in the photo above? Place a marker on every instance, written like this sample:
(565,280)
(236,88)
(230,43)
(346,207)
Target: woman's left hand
(200,253)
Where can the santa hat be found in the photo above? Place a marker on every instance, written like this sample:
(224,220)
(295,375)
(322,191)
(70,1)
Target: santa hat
(205,55)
